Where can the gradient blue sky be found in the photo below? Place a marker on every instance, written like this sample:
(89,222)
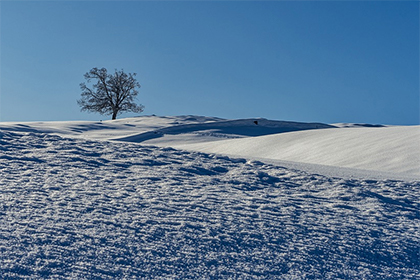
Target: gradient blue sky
(319,61)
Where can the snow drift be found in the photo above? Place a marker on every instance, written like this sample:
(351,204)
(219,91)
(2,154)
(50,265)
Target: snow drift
(389,149)
(74,205)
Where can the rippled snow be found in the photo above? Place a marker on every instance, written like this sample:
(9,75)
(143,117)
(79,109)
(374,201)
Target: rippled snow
(77,209)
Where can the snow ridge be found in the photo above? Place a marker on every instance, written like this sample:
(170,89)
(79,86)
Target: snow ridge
(79,209)
(232,128)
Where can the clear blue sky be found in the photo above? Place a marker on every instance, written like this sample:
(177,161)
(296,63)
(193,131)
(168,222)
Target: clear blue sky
(315,61)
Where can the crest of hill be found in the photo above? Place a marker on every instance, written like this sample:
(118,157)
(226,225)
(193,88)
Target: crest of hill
(105,130)
(223,129)
(143,128)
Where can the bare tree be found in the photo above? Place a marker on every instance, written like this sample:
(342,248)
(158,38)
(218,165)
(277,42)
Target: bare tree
(111,94)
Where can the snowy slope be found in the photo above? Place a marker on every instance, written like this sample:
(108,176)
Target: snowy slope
(72,208)
(75,205)
(389,149)
(108,129)
(218,130)
(374,151)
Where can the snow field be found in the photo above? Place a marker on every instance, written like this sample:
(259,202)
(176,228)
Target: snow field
(84,209)
(386,149)
(393,151)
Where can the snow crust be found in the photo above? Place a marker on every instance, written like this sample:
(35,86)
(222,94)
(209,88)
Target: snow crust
(74,205)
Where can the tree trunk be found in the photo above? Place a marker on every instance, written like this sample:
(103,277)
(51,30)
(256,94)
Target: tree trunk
(114,115)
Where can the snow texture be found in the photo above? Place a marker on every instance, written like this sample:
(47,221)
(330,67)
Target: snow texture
(73,208)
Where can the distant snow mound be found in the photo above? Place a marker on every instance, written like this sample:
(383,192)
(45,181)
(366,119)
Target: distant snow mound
(226,129)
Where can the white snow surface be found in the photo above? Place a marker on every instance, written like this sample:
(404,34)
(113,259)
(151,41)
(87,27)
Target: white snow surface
(75,205)
(389,149)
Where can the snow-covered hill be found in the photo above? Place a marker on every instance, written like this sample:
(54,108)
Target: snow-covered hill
(393,151)
(389,149)
(74,205)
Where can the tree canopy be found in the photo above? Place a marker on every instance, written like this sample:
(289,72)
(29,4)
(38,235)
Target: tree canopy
(111,94)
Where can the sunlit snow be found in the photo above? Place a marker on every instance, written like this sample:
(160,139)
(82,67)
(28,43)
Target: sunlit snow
(75,204)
